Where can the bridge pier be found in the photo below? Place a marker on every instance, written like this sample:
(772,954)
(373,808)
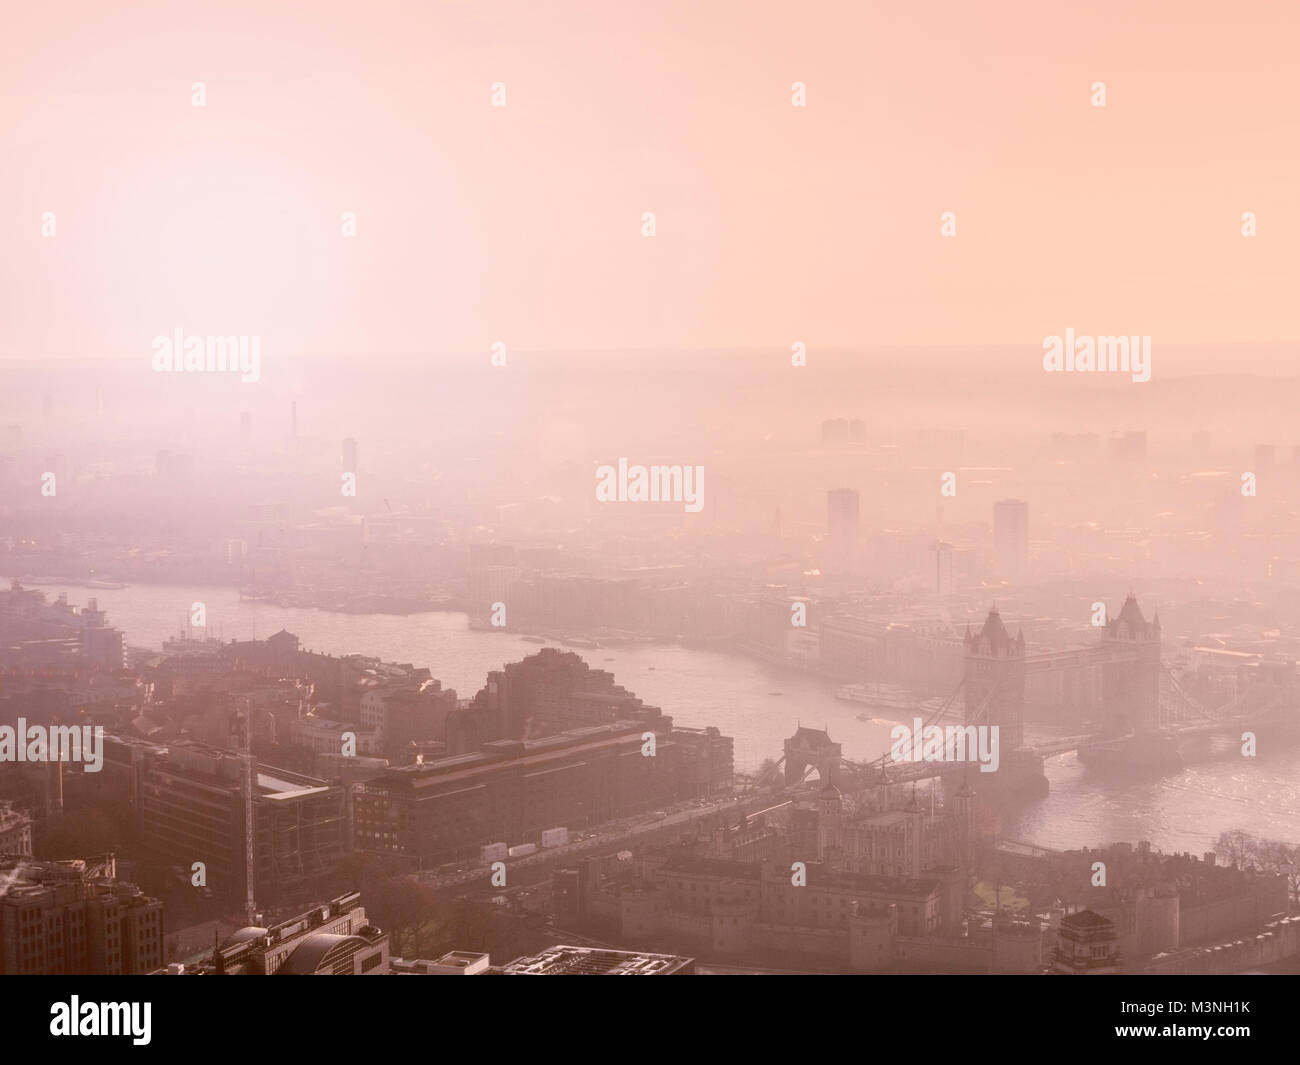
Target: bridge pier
(1019,776)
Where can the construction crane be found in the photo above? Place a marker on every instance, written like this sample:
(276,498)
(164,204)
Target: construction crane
(244,741)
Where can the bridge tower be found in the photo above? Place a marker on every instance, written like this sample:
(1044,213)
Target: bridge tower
(830,809)
(811,747)
(1130,672)
(995,670)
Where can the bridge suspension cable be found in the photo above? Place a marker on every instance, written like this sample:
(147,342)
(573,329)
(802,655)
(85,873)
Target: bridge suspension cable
(971,719)
(1229,709)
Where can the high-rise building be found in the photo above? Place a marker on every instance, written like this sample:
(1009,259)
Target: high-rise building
(1128,447)
(842,507)
(75,917)
(1011,538)
(190,807)
(349,455)
(943,581)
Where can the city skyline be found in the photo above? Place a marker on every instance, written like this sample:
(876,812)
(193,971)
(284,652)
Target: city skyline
(691,487)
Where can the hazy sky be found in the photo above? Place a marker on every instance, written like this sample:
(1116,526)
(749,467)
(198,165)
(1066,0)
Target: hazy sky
(523,223)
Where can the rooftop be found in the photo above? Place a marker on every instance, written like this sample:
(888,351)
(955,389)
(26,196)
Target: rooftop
(588,961)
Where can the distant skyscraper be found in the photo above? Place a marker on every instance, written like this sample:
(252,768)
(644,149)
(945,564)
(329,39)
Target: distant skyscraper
(245,427)
(1011,538)
(842,523)
(1128,447)
(349,455)
(1264,457)
(835,431)
(293,419)
(1075,445)
(842,430)
(943,583)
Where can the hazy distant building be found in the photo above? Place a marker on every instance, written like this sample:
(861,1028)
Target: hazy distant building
(843,430)
(1075,445)
(1128,447)
(842,513)
(1011,538)
(549,692)
(101,643)
(491,577)
(349,455)
(1265,455)
(173,466)
(942,578)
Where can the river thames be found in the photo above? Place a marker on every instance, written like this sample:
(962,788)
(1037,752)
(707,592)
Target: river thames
(1184,811)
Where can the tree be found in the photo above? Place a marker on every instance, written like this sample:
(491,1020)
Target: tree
(400,905)
(1266,855)
(1236,847)
(478,925)
(1280,858)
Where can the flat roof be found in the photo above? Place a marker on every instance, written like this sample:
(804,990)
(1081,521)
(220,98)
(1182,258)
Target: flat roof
(277,788)
(590,961)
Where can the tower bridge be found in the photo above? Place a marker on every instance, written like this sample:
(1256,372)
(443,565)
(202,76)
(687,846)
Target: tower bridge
(1144,715)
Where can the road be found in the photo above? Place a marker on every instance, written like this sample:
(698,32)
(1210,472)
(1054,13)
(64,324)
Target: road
(604,838)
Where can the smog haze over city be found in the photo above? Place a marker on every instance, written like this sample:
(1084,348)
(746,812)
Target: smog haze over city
(659,489)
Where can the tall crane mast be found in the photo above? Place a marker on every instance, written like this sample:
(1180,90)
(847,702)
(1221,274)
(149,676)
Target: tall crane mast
(243,735)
